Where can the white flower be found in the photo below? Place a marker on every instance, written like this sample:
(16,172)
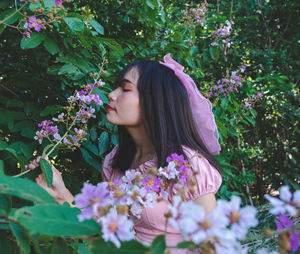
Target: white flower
(288,202)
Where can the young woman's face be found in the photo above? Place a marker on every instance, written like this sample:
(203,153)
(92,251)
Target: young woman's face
(124,106)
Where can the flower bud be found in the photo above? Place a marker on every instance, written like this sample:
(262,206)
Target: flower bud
(234,216)
(168,214)
(268,232)
(122,209)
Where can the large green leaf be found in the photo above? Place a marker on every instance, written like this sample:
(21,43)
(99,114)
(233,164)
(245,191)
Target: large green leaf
(131,247)
(47,171)
(97,26)
(51,46)
(75,24)
(25,189)
(55,220)
(35,40)
(22,238)
(158,245)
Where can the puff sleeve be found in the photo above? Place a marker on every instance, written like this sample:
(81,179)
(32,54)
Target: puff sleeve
(208,179)
(107,171)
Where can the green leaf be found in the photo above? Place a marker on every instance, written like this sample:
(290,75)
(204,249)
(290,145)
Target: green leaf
(60,246)
(186,245)
(251,120)
(14,154)
(10,16)
(47,171)
(5,244)
(35,5)
(89,159)
(96,26)
(158,245)
(74,24)
(51,46)
(93,133)
(51,110)
(34,41)
(69,69)
(25,189)
(131,247)
(112,44)
(103,142)
(49,3)
(91,147)
(55,220)
(22,238)
(115,139)
(5,203)
(2,168)
(3,145)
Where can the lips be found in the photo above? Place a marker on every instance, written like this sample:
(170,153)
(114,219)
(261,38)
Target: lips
(109,108)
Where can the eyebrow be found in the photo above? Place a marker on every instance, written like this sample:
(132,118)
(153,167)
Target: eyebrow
(125,80)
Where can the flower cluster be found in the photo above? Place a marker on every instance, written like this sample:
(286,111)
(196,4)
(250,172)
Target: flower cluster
(222,228)
(33,23)
(250,101)
(228,85)
(223,33)
(81,102)
(112,204)
(195,15)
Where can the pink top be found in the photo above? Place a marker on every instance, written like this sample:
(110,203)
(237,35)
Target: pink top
(152,221)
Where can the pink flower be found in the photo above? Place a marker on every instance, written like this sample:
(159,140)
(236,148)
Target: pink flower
(116,227)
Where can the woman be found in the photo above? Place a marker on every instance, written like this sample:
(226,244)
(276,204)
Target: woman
(159,111)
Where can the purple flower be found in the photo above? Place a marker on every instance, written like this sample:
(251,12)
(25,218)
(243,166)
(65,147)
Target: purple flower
(152,183)
(26,35)
(283,223)
(82,199)
(260,95)
(116,227)
(58,2)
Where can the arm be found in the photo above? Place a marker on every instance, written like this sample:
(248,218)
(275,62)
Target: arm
(207,201)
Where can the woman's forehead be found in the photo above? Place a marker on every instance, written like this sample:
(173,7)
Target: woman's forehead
(131,76)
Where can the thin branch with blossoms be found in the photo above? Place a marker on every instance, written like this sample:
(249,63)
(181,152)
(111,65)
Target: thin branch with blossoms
(82,99)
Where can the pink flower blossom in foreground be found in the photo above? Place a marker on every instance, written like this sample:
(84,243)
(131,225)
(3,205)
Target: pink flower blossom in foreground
(241,219)
(116,228)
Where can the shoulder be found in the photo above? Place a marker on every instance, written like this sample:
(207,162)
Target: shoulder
(106,168)
(207,176)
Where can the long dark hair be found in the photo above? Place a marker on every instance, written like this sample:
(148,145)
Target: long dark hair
(166,113)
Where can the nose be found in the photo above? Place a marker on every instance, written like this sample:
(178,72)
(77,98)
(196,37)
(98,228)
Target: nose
(112,95)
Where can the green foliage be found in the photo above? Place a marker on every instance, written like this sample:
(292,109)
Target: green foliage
(259,145)
(55,220)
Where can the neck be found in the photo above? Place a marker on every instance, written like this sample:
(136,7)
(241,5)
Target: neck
(142,141)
